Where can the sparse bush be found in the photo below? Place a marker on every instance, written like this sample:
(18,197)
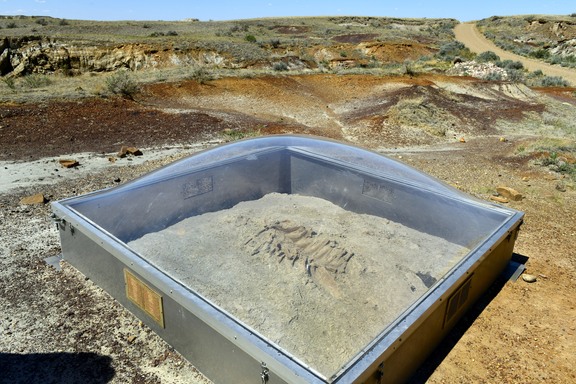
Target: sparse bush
(487,56)
(509,64)
(493,76)
(36,80)
(555,59)
(452,50)
(171,33)
(409,69)
(541,54)
(11,25)
(553,81)
(201,74)
(42,22)
(122,83)
(515,75)
(63,22)
(280,66)
(275,43)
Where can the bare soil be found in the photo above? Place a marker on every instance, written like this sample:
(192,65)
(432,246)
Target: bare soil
(517,333)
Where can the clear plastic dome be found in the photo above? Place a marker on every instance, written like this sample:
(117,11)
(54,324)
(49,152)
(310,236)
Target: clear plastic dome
(315,245)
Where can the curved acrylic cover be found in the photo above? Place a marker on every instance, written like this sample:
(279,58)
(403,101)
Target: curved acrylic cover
(346,154)
(355,180)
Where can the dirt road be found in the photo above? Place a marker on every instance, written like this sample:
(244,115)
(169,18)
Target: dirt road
(469,35)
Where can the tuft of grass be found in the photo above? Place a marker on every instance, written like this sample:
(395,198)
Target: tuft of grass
(10,83)
(36,80)
(237,134)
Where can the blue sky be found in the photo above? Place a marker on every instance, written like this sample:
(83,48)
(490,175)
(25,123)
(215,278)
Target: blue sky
(462,10)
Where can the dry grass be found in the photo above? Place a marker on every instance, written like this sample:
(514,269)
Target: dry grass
(273,31)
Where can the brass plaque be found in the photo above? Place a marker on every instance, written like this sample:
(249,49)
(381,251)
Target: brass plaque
(144,297)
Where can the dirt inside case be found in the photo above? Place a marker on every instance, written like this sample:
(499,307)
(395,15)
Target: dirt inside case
(317,280)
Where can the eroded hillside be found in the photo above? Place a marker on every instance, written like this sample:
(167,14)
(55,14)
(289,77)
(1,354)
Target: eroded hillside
(46,45)
(376,112)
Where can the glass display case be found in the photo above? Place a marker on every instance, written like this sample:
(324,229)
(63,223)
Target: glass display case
(291,259)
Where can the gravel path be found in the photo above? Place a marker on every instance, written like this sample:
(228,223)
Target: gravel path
(469,35)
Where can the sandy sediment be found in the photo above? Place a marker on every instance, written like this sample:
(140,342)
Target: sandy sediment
(317,280)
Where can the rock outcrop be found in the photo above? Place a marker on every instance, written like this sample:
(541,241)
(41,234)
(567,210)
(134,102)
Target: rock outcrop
(34,54)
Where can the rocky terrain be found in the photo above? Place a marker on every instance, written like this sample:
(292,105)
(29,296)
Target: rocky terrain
(474,134)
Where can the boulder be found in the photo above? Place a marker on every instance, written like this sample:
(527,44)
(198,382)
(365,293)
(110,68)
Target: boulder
(125,151)
(68,163)
(509,193)
(34,199)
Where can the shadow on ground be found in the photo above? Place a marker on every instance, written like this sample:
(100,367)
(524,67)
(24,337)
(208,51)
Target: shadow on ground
(61,368)
(449,342)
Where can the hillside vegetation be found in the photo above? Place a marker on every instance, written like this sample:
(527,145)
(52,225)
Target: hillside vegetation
(549,38)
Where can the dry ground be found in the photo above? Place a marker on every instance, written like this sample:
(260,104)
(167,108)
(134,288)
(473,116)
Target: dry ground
(59,327)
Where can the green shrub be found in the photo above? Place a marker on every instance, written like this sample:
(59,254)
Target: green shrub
(122,83)
(452,50)
(509,64)
(515,75)
(487,56)
(493,76)
(553,81)
(280,66)
(250,38)
(540,54)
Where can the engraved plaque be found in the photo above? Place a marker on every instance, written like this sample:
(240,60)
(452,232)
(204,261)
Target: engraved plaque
(144,297)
